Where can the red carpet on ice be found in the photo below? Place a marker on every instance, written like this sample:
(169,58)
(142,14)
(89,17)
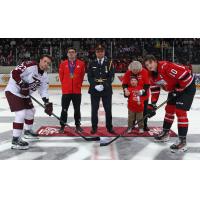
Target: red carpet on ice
(46,131)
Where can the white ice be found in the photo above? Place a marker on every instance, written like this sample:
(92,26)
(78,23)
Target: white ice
(119,107)
(119,110)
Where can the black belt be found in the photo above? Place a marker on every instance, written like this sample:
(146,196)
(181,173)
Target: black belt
(100,80)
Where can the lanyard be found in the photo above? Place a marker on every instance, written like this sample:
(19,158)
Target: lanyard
(71,65)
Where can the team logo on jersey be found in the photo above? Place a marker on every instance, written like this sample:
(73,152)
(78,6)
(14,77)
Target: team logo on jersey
(35,84)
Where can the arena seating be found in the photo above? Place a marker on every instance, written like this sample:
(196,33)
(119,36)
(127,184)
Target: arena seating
(122,50)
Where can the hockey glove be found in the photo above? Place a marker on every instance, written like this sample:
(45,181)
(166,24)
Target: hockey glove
(48,108)
(177,91)
(24,88)
(151,110)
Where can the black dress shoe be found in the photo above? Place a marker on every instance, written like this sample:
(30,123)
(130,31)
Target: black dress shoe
(62,129)
(93,131)
(146,128)
(79,129)
(111,131)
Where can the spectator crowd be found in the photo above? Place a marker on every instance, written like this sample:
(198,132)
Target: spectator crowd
(121,50)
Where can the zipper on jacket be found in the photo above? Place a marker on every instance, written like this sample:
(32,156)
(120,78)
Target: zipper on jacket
(72,84)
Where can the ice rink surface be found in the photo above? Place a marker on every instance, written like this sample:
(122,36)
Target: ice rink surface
(61,148)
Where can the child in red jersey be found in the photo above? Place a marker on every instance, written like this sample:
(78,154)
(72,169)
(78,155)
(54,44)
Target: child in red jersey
(135,105)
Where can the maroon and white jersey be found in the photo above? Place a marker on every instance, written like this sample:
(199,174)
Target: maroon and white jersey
(30,73)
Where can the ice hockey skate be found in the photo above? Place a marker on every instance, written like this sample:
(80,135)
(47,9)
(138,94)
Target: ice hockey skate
(30,134)
(162,136)
(179,146)
(19,144)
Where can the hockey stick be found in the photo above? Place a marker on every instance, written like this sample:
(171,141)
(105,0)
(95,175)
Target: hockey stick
(122,134)
(58,118)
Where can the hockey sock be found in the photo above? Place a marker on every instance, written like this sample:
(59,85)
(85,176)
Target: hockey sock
(182,122)
(166,126)
(169,117)
(182,132)
(29,119)
(28,124)
(17,129)
(18,124)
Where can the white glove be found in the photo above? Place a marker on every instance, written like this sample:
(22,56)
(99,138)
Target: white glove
(140,92)
(99,88)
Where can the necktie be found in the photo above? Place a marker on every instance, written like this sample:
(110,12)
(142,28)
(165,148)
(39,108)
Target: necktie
(100,61)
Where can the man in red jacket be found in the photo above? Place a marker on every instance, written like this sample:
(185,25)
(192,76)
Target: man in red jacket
(180,83)
(71,73)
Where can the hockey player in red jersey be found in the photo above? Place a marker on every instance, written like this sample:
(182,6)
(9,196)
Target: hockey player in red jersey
(180,83)
(24,80)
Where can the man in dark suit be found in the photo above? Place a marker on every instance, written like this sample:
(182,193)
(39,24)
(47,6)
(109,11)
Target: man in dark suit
(100,77)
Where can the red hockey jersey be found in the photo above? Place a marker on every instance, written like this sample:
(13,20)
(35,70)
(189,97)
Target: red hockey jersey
(135,102)
(170,77)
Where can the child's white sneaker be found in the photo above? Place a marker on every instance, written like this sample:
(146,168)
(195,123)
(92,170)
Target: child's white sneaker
(141,130)
(128,130)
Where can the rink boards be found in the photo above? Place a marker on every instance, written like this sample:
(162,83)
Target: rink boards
(54,81)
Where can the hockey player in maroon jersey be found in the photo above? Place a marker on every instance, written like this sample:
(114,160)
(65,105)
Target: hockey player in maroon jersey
(24,80)
(180,83)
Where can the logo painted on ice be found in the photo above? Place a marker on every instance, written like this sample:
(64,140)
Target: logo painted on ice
(154,131)
(48,131)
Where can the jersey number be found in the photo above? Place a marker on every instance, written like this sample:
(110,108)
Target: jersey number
(173,72)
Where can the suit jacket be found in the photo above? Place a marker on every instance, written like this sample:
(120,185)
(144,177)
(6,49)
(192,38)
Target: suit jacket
(104,72)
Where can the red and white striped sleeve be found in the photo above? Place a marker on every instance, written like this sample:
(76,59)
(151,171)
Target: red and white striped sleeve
(181,73)
(155,93)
